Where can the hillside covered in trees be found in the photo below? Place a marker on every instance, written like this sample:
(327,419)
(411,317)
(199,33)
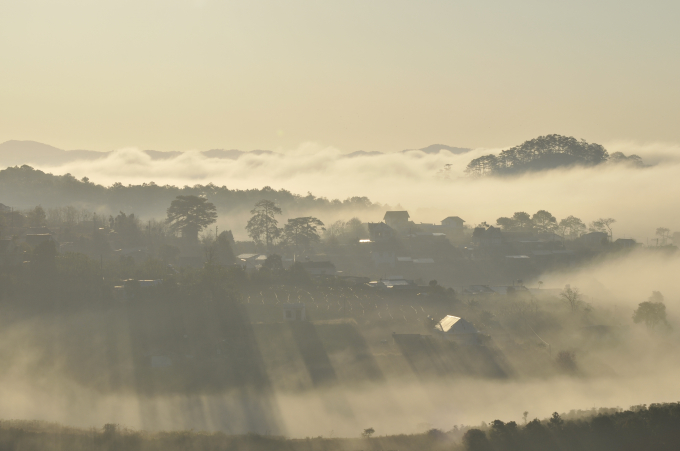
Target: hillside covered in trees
(24,186)
(546,152)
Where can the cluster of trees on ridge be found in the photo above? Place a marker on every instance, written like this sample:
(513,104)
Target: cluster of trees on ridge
(656,427)
(189,215)
(570,227)
(544,222)
(300,233)
(546,152)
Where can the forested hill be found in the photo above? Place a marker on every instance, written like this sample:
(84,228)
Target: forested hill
(547,152)
(24,187)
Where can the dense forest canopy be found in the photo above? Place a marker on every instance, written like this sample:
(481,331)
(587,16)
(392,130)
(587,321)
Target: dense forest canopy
(24,186)
(545,152)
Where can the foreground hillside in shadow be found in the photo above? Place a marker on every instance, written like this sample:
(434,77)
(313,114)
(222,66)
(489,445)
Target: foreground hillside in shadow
(656,427)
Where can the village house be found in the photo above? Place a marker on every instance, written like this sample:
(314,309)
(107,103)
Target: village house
(457,329)
(453,222)
(452,227)
(397,219)
(251,261)
(395,283)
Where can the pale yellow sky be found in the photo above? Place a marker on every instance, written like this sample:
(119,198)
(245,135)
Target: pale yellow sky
(371,75)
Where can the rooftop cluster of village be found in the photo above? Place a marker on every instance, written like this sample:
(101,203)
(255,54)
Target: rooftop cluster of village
(396,253)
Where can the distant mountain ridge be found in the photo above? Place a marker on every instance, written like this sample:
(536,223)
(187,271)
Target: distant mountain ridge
(436,148)
(18,153)
(431,149)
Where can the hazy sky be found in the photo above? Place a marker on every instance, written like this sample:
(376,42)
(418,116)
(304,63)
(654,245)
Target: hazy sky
(371,75)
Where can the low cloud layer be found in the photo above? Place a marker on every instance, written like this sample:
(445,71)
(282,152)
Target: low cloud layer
(421,182)
(628,279)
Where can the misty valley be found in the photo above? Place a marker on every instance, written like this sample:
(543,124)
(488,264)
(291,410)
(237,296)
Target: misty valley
(143,316)
(339,225)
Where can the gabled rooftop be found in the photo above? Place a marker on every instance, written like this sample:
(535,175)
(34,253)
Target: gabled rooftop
(247,256)
(396,216)
(456,325)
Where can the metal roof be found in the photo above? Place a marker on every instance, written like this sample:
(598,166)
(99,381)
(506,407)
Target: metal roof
(394,283)
(455,325)
(247,256)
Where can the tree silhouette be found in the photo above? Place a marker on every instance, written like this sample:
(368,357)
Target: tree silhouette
(603,225)
(520,221)
(572,226)
(663,233)
(476,440)
(189,215)
(36,217)
(652,312)
(506,223)
(303,232)
(621,158)
(485,165)
(572,297)
(523,220)
(544,221)
(262,227)
(368,432)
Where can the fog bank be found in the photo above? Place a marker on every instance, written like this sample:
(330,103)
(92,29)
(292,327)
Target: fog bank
(424,184)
